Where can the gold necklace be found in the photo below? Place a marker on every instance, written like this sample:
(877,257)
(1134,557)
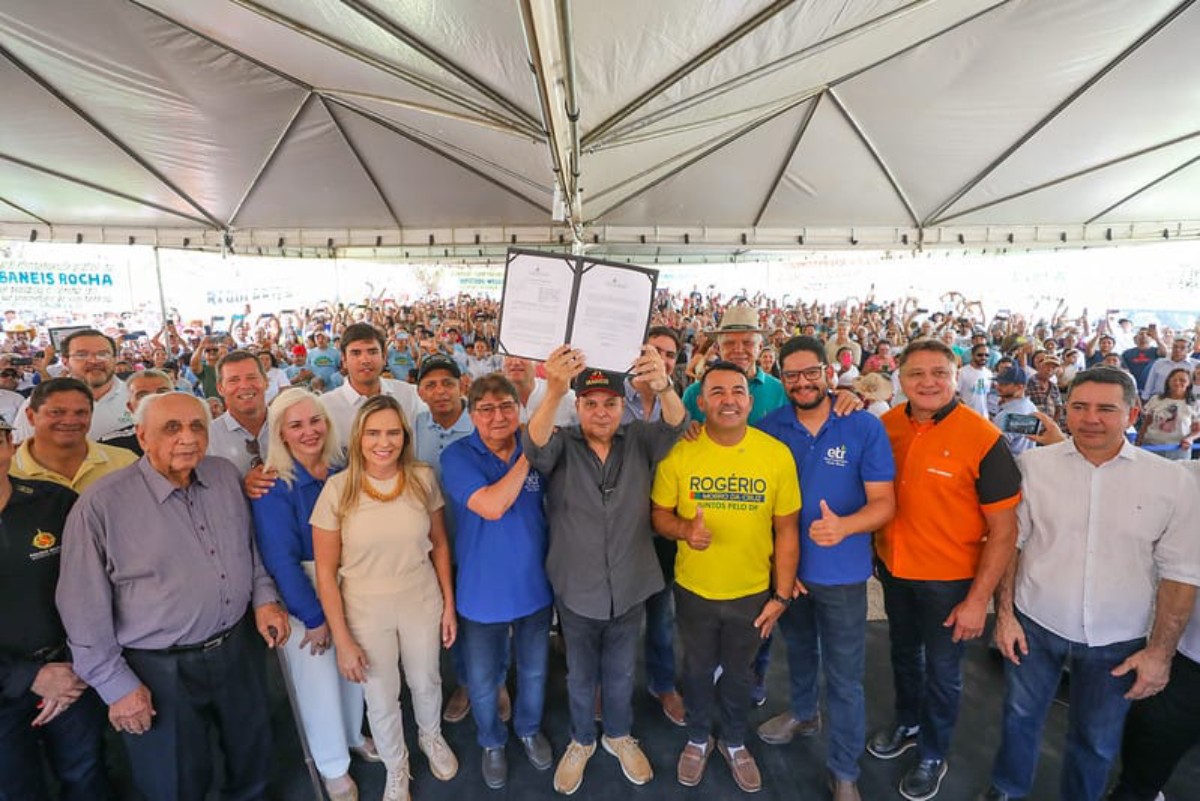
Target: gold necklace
(383,497)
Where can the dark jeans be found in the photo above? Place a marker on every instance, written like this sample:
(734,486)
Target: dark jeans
(660,642)
(73,745)
(600,653)
(1158,732)
(1094,722)
(926,662)
(717,633)
(827,628)
(485,646)
(195,691)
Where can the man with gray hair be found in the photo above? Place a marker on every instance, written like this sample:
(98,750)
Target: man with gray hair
(146,382)
(159,574)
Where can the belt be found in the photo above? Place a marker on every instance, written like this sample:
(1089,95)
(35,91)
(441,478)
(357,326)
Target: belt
(216,641)
(51,653)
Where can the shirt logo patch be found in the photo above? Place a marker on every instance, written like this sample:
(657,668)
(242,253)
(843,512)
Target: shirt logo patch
(836,457)
(533,482)
(43,540)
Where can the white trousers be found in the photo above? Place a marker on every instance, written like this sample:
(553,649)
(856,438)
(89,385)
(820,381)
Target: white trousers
(394,623)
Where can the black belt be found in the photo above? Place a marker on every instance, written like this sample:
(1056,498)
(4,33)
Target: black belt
(215,641)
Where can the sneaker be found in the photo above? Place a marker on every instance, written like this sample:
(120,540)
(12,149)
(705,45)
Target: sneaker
(692,760)
(924,780)
(494,767)
(633,761)
(568,776)
(780,729)
(537,748)
(758,694)
(396,788)
(342,788)
(743,767)
(458,705)
(504,703)
(672,706)
(892,742)
(442,762)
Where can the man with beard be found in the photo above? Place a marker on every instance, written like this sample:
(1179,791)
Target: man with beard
(91,358)
(363,352)
(846,470)
(739,341)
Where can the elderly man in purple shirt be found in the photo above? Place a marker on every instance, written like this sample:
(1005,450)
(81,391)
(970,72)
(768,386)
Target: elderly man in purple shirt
(159,570)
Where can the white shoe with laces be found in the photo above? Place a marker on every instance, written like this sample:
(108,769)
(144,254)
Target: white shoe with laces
(396,788)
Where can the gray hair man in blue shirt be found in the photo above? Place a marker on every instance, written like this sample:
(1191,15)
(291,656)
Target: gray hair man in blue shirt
(159,573)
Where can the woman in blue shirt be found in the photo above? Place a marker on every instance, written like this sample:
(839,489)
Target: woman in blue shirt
(300,453)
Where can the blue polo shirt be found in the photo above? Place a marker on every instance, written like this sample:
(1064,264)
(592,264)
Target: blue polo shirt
(833,466)
(765,389)
(501,563)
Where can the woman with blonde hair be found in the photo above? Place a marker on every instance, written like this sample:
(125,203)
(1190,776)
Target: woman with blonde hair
(383,576)
(300,454)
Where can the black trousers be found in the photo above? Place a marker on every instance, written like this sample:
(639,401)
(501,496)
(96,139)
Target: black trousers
(1158,732)
(717,633)
(72,743)
(195,692)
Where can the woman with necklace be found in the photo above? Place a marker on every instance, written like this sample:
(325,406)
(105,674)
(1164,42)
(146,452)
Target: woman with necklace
(383,576)
(299,454)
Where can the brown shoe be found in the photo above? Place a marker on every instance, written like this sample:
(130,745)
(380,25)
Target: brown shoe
(504,703)
(458,705)
(692,760)
(743,767)
(780,729)
(672,707)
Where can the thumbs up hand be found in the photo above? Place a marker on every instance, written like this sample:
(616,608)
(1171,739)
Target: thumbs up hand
(828,530)
(698,536)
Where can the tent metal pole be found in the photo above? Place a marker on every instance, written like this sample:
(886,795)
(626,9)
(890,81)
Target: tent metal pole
(1144,188)
(104,189)
(678,74)
(93,123)
(875,154)
(1058,109)
(787,159)
(445,62)
(162,297)
(542,84)
(24,211)
(283,135)
(395,71)
(572,100)
(1069,177)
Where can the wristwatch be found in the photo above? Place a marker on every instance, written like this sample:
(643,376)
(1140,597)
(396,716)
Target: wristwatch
(777,597)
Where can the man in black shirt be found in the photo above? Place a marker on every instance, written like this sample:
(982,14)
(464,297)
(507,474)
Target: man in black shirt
(147,382)
(41,698)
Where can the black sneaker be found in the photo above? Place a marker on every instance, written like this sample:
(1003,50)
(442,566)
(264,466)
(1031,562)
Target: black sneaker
(924,780)
(892,742)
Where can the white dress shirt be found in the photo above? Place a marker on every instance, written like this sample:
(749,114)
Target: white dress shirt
(227,438)
(563,416)
(343,402)
(1189,644)
(1095,540)
(109,414)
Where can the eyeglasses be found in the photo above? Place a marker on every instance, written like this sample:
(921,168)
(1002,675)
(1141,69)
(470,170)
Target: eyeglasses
(89,356)
(489,409)
(809,373)
(252,448)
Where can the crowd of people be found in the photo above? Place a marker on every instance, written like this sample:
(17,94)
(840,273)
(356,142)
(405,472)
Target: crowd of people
(363,488)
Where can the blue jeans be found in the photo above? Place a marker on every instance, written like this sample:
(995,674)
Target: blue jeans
(600,653)
(828,628)
(1097,712)
(485,647)
(660,642)
(926,662)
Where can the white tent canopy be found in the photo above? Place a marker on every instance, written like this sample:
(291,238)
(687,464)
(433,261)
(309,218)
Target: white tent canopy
(673,126)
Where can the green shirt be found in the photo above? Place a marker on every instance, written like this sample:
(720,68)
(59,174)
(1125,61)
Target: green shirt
(766,390)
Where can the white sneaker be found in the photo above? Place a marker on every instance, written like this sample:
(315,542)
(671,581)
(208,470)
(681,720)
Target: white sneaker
(342,788)
(442,762)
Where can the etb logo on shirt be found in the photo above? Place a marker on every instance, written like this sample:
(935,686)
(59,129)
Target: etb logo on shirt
(836,457)
(533,482)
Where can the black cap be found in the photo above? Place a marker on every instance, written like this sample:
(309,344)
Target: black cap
(431,363)
(592,380)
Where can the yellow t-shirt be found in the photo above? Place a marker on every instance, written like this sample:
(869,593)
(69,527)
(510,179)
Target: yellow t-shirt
(741,488)
(101,460)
